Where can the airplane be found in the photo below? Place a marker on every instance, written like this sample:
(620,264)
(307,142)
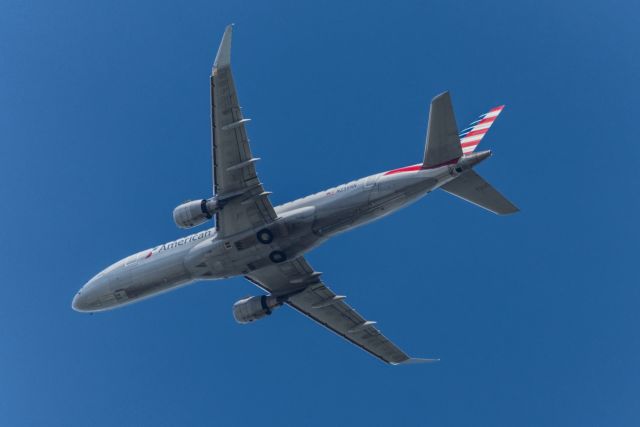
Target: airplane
(267,244)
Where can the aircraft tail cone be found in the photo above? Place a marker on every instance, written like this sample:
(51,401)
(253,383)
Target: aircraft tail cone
(470,160)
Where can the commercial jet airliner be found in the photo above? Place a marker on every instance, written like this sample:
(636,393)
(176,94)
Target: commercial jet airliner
(267,244)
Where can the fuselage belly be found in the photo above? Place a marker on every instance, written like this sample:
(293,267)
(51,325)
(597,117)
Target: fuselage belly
(301,226)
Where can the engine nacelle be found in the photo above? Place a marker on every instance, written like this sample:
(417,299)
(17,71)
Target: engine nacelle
(253,308)
(195,212)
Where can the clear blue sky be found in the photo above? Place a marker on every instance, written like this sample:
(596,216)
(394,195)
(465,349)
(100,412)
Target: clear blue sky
(104,128)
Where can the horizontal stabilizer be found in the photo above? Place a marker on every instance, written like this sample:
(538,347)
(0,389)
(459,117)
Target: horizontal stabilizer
(443,143)
(471,187)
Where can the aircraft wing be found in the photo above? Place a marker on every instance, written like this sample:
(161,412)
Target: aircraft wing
(236,184)
(314,299)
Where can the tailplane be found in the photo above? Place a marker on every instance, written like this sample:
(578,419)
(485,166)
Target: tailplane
(474,189)
(445,146)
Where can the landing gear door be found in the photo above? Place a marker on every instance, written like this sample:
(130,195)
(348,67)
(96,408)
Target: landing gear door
(120,295)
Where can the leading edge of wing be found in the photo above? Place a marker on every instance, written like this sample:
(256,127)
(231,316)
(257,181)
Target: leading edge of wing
(223,57)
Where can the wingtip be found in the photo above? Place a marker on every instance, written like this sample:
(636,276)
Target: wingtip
(223,57)
(513,210)
(416,360)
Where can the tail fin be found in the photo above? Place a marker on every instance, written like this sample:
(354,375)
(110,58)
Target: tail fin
(471,136)
(471,187)
(444,146)
(443,143)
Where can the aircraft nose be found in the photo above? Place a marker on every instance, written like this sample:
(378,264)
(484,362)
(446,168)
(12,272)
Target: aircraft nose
(88,297)
(80,302)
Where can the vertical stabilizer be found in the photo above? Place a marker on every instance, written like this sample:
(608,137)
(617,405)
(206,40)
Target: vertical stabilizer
(471,136)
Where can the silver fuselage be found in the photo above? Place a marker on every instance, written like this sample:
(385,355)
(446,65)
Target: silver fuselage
(301,226)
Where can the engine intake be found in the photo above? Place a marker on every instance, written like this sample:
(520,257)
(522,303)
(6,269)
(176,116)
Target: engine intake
(195,212)
(250,309)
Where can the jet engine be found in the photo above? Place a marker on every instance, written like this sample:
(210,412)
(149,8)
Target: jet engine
(253,308)
(195,212)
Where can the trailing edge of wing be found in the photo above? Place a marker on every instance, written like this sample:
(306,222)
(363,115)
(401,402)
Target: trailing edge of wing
(223,58)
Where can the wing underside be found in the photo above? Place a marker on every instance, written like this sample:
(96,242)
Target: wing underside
(236,183)
(311,297)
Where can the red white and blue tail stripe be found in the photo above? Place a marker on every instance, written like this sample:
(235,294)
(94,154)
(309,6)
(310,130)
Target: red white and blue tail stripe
(471,136)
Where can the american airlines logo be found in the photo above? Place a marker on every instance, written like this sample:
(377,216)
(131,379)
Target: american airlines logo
(181,242)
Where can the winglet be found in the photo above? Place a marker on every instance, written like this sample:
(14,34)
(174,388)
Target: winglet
(415,361)
(443,143)
(223,58)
